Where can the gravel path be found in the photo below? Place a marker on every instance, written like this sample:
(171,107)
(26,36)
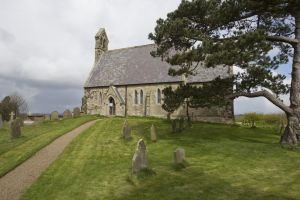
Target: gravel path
(18,180)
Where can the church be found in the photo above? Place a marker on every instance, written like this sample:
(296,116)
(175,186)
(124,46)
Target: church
(129,82)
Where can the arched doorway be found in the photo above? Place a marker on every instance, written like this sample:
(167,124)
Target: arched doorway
(112,106)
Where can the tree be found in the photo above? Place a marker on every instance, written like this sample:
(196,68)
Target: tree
(13,103)
(257,36)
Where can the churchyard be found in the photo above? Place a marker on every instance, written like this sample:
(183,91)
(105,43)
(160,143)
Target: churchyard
(217,161)
(13,151)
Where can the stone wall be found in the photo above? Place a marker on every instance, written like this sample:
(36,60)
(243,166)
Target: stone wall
(97,100)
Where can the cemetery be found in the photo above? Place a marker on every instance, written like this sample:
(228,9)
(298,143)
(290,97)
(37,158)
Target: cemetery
(156,121)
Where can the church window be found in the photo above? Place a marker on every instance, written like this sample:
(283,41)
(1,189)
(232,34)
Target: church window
(141,97)
(135,97)
(158,96)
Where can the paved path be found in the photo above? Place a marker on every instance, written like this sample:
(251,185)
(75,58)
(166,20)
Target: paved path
(18,180)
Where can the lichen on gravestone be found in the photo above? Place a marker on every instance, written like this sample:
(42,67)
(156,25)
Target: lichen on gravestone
(140,158)
(153,133)
(126,131)
(15,128)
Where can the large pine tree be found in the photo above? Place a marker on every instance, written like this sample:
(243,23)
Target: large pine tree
(255,35)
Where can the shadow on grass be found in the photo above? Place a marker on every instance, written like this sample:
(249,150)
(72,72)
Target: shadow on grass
(192,184)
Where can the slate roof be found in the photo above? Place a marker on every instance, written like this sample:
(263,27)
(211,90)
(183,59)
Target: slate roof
(135,65)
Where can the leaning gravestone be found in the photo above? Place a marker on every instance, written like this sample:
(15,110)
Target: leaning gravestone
(153,133)
(140,158)
(67,114)
(76,112)
(179,156)
(1,121)
(54,115)
(126,131)
(15,128)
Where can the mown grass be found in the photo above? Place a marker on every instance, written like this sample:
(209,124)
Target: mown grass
(223,162)
(34,137)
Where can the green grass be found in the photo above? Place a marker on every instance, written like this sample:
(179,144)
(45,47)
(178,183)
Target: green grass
(223,162)
(34,137)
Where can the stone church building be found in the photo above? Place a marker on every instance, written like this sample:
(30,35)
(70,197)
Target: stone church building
(129,82)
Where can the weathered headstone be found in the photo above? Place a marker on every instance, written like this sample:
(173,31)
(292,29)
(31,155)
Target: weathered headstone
(126,131)
(153,133)
(15,128)
(1,121)
(179,156)
(20,120)
(76,112)
(180,128)
(47,117)
(54,115)
(186,123)
(140,158)
(67,114)
(12,116)
(173,126)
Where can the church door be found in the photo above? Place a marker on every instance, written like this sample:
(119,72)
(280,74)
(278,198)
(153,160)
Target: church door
(112,106)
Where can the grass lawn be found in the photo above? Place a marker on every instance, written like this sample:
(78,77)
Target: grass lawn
(224,162)
(34,137)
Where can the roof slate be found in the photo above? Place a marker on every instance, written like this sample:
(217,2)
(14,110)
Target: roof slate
(135,65)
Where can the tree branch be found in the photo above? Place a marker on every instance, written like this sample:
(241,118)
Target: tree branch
(282,39)
(265,94)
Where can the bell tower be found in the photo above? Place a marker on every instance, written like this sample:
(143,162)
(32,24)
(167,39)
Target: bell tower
(101,44)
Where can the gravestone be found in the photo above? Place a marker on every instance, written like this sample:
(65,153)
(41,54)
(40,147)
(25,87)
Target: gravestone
(47,117)
(153,133)
(180,128)
(15,128)
(1,121)
(67,114)
(12,116)
(140,158)
(54,115)
(76,112)
(186,123)
(126,131)
(173,126)
(21,121)
(179,156)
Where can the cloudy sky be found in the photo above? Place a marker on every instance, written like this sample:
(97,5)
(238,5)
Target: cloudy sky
(47,47)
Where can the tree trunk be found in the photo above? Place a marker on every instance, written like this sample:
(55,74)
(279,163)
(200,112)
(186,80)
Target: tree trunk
(291,134)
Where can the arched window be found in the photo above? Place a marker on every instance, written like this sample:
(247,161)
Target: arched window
(141,97)
(158,96)
(135,97)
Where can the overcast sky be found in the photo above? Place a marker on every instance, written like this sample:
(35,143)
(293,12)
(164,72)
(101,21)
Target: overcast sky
(47,47)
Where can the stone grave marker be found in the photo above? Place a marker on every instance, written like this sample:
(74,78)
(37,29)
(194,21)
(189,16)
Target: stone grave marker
(173,125)
(47,117)
(126,131)
(67,114)
(140,158)
(76,112)
(179,156)
(54,115)
(180,128)
(12,116)
(15,128)
(153,133)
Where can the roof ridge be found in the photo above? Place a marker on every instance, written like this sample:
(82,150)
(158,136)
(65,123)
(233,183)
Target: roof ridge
(139,46)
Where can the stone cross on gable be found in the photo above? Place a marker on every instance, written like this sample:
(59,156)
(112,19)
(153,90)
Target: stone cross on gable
(12,115)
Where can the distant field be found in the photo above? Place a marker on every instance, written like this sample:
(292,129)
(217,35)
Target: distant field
(224,162)
(34,137)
